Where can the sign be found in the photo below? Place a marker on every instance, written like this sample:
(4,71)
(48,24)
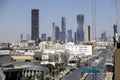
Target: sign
(91,70)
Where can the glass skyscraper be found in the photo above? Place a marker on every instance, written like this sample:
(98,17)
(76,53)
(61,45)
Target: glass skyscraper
(69,35)
(63,29)
(35,25)
(80,30)
(63,24)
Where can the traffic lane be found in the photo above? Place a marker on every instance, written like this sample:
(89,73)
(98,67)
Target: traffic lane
(75,75)
(101,67)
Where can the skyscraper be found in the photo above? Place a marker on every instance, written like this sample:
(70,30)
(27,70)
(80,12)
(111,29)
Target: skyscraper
(69,35)
(21,37)
(53,31)
(63,25)
(63,29)
(80,30)
(43,37)
(35,25)
(104,36)
(75,37)
(57,31)
(88,33)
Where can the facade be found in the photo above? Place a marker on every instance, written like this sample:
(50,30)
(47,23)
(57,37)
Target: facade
(57,30)
(75,37)
(49,39)
(117,64)
(78,51)
(35,25)
(21,37)
(51,47)
(5,60)
(43,37)
(53,32)
(104,36)
(80,30)
(63,24)
(69,35)
(4,45)
(62,37)
(88,33)
(63,29)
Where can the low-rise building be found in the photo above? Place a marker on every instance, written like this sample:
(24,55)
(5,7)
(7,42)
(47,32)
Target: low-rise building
(78,51)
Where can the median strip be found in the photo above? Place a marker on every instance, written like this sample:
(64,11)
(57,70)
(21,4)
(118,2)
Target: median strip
(84,76)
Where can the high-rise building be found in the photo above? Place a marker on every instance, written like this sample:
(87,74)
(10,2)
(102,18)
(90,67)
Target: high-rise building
(80,30)
(75,37)
(69,35)
(63,25)
(62,37)
(53,31)
(21,37)
(43,37)
(57,30)
(35,25)
(63,29)
(88,33)
(104,36)
(48,38)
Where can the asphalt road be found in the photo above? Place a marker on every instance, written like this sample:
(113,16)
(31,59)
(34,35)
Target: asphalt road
(99,76)
(75,75)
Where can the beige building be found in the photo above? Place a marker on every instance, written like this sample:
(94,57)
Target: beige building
(49,45)
(88,33)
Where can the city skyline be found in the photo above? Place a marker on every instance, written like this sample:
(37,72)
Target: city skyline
(15,19)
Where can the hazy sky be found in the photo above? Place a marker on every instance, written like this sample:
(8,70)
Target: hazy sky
(15,16)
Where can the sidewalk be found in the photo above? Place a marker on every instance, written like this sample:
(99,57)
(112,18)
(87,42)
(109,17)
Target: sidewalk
(108,75)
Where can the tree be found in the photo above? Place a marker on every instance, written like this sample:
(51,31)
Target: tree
(25,78)
(50,67)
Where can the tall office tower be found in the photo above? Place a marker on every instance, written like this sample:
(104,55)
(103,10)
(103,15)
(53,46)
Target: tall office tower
(80,30)
(57,30)
(69,35)
(35,25)
(63,25)
(75,37)
(63,28)
(53,31)
(43,37)
(104,36)
(88,33)
(21,37)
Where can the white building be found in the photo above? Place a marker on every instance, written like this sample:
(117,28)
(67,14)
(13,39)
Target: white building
(77,51)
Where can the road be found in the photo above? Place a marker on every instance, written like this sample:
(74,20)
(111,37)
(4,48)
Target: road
(99,76)
(75,75)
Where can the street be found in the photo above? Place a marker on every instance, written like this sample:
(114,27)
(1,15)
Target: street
(76,74)
(99,76)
